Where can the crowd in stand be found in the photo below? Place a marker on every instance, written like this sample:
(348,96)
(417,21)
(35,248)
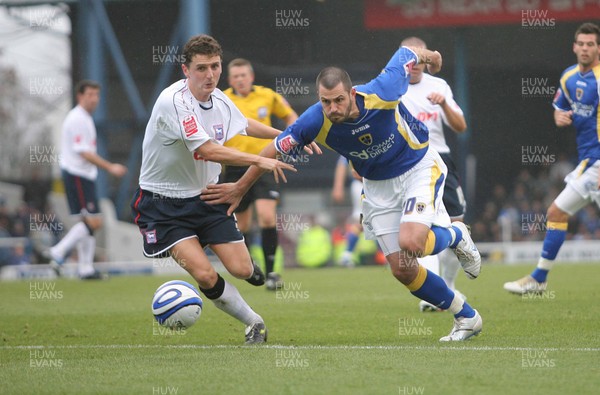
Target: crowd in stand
(519,212)
(28,229)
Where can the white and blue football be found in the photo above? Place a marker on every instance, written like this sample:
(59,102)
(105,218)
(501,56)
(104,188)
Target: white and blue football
(176,304)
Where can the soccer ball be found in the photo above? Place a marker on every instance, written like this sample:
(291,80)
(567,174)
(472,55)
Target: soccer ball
(176,304)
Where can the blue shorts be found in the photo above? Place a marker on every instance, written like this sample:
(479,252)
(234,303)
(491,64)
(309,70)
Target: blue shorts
(81,194)
(165,222)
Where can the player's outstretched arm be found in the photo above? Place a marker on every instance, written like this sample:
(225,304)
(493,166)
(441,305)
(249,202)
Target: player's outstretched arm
(433,59)
(232,193)
(115,169)
(260,130)
(217,153)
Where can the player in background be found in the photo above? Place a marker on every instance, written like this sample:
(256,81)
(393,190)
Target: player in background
(575,103)
(403,179)
(259,103)
(353,228)
(430,99)
(182,152)
(79,164)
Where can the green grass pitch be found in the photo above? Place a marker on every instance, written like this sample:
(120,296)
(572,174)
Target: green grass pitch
(331,331)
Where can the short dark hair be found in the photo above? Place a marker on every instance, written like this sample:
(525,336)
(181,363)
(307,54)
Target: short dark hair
(588,28)
(202,44)
(85,84)
(238,62)
(330,77)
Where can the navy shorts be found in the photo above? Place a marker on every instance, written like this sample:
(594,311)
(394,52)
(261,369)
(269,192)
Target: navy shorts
(81,194)
(165,221)
(264,188)
(454,199)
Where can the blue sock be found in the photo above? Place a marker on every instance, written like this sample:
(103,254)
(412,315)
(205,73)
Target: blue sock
(552,242)
(539,275)
(431,288)
(440,238)
(467,311)
(458,237)
(351,241)
(555,237)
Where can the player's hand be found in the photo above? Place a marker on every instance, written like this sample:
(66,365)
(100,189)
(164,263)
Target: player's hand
(117,170)
(276,167)
(228,193)
(434,63)
(563,118)
(313,148)
(436,98)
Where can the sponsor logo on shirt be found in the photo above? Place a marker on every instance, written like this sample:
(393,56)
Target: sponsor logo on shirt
(360,129)
(374,150)
(190,126)
(425,116)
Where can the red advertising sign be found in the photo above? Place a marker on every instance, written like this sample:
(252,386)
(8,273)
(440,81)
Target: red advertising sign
(398,14)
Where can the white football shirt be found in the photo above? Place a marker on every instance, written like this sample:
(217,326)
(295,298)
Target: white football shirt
(432,115)
(78,135)
(178,125)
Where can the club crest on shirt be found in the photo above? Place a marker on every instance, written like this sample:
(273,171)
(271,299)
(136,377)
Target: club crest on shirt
(420,207)
(262,112)
(578,93)
(218,131)
(190,126)
(366,139)
(150,236)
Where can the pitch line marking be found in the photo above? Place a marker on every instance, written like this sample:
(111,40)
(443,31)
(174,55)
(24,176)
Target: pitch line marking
(307,347)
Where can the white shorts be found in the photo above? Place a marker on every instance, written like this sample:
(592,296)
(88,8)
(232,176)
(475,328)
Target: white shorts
(415,196)
(581,189)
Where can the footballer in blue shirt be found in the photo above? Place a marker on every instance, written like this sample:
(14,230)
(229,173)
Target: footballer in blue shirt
(403,178)
(576,103)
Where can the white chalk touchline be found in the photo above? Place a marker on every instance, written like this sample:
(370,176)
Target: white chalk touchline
(306,347)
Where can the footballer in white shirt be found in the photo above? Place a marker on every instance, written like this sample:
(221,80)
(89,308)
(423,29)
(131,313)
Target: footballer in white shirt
(79,164)
(182,153)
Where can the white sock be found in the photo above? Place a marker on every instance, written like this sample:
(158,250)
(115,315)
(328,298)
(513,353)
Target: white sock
(545,264)
(77,233)
(431,263)
(450,266)
(85,249)
(233,304)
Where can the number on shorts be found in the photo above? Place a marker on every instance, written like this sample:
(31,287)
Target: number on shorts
(409,205)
